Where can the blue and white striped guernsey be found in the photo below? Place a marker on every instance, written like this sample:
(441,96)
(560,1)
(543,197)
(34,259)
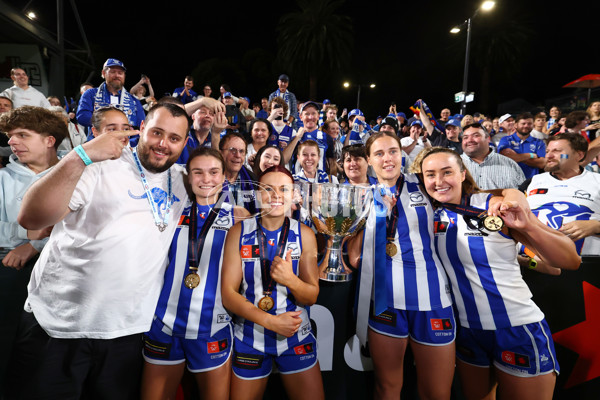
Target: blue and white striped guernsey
(198,312)
(252,334)
(488,289)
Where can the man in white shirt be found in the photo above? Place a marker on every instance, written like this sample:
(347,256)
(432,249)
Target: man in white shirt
(94,289)
(21,93)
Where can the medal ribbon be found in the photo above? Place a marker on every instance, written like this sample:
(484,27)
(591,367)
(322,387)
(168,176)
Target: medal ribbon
(155,212)
(389,227)
(469,212)
(265,263)
(196,242)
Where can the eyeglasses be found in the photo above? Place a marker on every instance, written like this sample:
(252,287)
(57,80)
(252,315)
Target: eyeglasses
(235,151)
(206,112)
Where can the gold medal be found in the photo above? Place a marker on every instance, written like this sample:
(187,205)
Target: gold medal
(192,280)
(391,249)
(266,303)
(492,223)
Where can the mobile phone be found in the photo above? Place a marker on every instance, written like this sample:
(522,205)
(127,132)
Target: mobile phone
(275,106)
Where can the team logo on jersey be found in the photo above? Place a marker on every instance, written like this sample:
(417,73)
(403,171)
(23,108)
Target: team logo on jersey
(582,194)
(250,251)
(440,324)
(512,358)
(532,148)
(417,199)
(440,227)
(216,346)
(203,215)
(555,212)
(293,246)
(537,191)
(223,221)
(271,242)
(304,349)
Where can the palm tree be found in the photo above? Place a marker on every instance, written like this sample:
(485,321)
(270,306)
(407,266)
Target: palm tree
(314,39)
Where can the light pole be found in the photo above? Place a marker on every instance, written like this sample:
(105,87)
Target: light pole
(348,84)
(485,6)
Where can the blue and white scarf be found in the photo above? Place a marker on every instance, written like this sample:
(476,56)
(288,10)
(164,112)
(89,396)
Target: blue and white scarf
(126,102)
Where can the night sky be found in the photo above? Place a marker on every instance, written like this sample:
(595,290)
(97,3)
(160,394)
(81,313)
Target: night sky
(403,47)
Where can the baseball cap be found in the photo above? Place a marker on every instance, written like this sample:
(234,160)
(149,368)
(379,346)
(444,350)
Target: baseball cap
(113,62)
(326,101)
(504,118)
(227,94)
(401,114)
(417,123)
(309,104)
(391,121)
(457,116)
(354,112)
(284,77)
(247,99)
(453,122)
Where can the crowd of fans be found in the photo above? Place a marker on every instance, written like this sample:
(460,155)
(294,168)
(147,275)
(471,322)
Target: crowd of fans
(231,141)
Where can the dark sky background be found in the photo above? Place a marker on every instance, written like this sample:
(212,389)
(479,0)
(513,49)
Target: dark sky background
(403,47)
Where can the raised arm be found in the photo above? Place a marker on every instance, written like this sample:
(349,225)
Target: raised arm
(209,102)
(57,186)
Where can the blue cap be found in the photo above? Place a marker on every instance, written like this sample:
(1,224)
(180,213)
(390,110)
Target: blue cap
(354,112)
(457,116)
(247,99)
(309,104)
(227,94)
(326,101)
(401,114)
(453,122)
(417,123)
(113,62)
(284,78)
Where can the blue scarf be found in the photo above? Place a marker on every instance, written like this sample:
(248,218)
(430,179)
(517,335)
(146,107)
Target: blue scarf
(126,103)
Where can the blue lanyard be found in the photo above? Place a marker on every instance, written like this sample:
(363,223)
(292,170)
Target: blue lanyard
(162,225)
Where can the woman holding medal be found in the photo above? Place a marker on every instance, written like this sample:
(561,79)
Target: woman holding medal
(410,302)
(190,324)
(500,324)
(270,278)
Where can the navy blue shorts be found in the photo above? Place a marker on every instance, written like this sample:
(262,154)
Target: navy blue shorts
(525,350)
(249,363)
(433,328)
(202,354)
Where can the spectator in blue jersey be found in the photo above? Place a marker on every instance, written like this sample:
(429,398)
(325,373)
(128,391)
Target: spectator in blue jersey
(331,127)
(266,157)
(190,320)
(270,278)
(523,148)
(208,125)
(240,180)
(360,129)
(282,133)
(504,342)
(308,158)
(185,93)
(111,92)
(262,109)
(450,138)
(235,120)
(400,269)
(289,98)
(34,134)
(310,131)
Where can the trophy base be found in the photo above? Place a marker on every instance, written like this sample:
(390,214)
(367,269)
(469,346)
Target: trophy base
(335,276)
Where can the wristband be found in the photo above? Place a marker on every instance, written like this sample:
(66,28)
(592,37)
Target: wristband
(532,264)
(531,155)
(83,155)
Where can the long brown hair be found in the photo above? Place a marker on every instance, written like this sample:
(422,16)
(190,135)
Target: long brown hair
(468,185)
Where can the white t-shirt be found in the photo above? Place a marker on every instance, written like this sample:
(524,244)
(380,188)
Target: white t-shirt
(29,97)
(101,272)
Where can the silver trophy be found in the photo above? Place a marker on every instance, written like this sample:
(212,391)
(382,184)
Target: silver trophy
(338,211)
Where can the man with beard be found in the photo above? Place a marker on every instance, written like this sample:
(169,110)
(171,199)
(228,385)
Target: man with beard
(94,289)
(489,169)
(567,197)
(523,148)
(209,122)
(110,92)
